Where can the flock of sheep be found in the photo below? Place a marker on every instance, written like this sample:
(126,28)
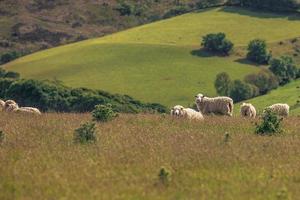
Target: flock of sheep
(223,106)
(12,106)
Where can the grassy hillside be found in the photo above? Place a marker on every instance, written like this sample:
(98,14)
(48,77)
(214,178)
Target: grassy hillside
(159,62)
(38,159)
(289,94)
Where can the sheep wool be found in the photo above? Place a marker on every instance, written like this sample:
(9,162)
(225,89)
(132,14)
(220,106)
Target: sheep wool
(248,110)
(188,113)
(280,109)
(216,105)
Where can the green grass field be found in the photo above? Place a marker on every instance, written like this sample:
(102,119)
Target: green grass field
(38,159)
(158,62)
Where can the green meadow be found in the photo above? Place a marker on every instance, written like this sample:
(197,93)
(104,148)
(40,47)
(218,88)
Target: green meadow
(159,62)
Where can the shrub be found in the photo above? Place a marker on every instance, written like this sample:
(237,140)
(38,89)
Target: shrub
(9,74)
(273,5)
(164,176)
(86,133)
(53,96)
(264,81)
(7,57)
(257,52)
(223,84)
(217,43)
(103,113)
(270,124)
(124,8)
(241,91)
(178,10)
(284,68)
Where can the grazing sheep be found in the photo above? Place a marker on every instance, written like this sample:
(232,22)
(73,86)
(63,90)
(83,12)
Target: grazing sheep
(248,110)
(217,105)
(10,106)
(28,110)
(280,109)
(2,105)
(180,111)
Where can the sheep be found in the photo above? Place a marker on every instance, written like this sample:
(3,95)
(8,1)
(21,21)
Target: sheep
(180,111)
(217,105)
(10,106)
(28,110)
(279,109)
(2,105)
(248,110)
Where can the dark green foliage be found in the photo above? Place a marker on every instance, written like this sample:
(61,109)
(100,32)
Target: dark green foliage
(164,176)
(86,133)
(265,81)
(284,68)
(257,52)
(9,74)
(273,5)
(124,8)
(270,124)
(217,43)
(52,96)
(7,57)
(223,84)
(104,113)
(241,91)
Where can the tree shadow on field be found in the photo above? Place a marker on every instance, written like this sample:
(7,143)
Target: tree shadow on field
(204,54)
(261,13)
(245,61)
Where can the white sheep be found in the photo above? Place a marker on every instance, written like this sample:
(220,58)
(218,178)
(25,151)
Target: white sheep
(10,106)
(28,110)
(248,110)
(2,105)
(280,109)
(217,105)
(188,113)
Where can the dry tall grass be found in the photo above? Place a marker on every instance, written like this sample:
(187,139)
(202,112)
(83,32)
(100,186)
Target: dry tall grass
(38,159)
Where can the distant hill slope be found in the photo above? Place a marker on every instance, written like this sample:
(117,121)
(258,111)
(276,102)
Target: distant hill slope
(30,25)
(160,62)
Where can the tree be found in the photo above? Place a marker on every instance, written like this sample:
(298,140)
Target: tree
(273,5)
(284,68)
(217,43)
(257,52)
(265,81)
(241,91)
(223,84)
(7,57)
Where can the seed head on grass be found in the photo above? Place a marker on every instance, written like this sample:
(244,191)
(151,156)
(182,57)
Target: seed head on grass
(86,133)
(2,136)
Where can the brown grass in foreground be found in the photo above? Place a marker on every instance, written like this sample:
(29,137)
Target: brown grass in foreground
(38,159)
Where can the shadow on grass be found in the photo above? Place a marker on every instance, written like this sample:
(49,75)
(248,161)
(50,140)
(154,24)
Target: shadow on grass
(205,54)
(261,13)
(245,61)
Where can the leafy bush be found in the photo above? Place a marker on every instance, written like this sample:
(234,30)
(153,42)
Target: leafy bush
(241,91)
(103,113)
(270,124)
(257,52)
(9,74)
(86,133)
(53,96)
(217,43)
(124,8)
(223,84)
(265,81)
(284,68)
(7,57)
